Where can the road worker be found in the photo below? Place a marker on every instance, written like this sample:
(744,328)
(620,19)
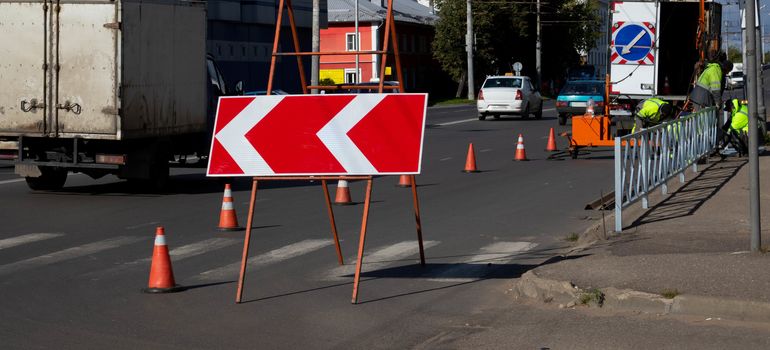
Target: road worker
(651,112)
(736,129)
(708,89)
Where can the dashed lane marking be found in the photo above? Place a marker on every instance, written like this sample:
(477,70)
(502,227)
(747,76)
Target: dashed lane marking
(379,258)
(271,257)
(68,254)
(475,267)
(29,238)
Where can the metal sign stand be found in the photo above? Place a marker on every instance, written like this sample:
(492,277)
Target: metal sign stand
(389,28)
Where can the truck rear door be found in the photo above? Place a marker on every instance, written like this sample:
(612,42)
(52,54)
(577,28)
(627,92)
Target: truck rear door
(633,49)
(59,68)
(23,73)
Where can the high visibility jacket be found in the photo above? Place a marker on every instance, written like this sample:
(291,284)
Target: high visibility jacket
(739,117)
(711,78)
(650,110)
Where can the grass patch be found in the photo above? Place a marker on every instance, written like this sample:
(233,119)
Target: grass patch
(572,237)
(669,293)
(593,295)
(451,102)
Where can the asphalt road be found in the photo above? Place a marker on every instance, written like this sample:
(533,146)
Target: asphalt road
(72,262)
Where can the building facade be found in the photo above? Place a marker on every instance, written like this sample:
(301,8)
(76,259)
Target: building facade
(598,55)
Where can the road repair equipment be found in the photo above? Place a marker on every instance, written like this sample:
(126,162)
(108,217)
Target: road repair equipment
(470,160)
(343,193)
(227,218)
(521,154)
(404,181)
(551,147)
(161,274)
(346,136)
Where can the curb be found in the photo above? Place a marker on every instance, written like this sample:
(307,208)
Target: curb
(532,287)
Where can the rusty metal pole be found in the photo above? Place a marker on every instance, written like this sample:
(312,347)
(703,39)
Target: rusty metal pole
(416,202)
(275,48)
(332,222)
(246,241)
(362,240)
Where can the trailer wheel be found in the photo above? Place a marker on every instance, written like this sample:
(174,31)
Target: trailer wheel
(51,178)
(562,119)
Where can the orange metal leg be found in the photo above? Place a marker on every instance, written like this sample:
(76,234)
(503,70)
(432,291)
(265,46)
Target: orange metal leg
(246,241)
(362,239)
(332,222)
(417,219)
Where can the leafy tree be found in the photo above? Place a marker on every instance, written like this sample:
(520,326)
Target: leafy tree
(734,54)
(505,33)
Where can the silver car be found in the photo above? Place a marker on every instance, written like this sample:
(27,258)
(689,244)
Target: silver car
(509,95)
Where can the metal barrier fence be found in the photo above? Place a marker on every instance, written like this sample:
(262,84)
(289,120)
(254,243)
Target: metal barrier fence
(647,159)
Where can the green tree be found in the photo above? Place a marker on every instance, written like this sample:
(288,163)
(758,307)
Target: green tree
(734,54)
(505,33)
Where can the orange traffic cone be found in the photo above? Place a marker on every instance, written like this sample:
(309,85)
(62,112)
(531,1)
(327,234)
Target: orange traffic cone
(343,193)
(227,219)
(521,154)
(470,161)
(405,181)
(551,147)
(161,274)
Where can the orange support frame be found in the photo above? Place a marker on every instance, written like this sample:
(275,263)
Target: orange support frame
(390,28)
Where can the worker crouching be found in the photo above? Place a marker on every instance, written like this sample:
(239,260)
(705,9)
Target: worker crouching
(651,112)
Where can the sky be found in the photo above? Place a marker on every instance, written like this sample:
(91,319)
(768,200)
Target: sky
(731,22)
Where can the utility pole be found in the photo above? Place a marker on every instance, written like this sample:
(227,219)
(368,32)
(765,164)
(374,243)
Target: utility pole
(469,50)
(761,110)
(751,70)
(537,46)
(355,44)
(315,62)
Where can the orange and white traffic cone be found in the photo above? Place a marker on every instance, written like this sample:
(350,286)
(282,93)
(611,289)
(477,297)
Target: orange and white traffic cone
(343,193)
(228,221)
(470,161)
(551,147)
(521,154)
(405,181)
(161,273)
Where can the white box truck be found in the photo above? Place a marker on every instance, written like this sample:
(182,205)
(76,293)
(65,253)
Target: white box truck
(103,87)
(653,46)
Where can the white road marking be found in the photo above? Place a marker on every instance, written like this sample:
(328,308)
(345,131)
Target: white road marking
(153,223)
(486,150)
(176,254)
(4,182)
(379,258)
(444,159)
(271,257)
(456,122)
(475,267)
(549,109)
(24,239)
(67,254)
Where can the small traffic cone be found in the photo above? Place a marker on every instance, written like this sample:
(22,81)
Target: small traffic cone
(161,274)
(227,218)
(551,147)
(405,181)
(343,193)
(470,161)
(521,154)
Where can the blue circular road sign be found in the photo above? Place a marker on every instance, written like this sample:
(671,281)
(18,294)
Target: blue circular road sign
(633,42)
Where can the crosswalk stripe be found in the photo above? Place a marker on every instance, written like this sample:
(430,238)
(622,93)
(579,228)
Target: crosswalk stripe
(379,258)
(29,238)
(475,267)
(67,254)
(176,254)
(271,257)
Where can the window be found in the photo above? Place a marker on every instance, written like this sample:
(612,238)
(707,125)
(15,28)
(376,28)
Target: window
(503,83)
(350,76)
(350,42)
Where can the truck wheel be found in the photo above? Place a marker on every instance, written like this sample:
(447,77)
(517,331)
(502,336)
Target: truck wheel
(51,178)
(562,119)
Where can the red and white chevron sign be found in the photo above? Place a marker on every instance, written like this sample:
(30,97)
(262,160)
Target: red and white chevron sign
(282,135)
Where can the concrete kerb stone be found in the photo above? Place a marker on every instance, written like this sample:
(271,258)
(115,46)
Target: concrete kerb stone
(565,294)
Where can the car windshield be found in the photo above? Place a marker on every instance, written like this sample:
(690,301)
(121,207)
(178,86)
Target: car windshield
(582,89)
(736,74)
(502,83)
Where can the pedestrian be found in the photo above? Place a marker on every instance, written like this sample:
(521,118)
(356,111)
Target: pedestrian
(736,128)
(651,112)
